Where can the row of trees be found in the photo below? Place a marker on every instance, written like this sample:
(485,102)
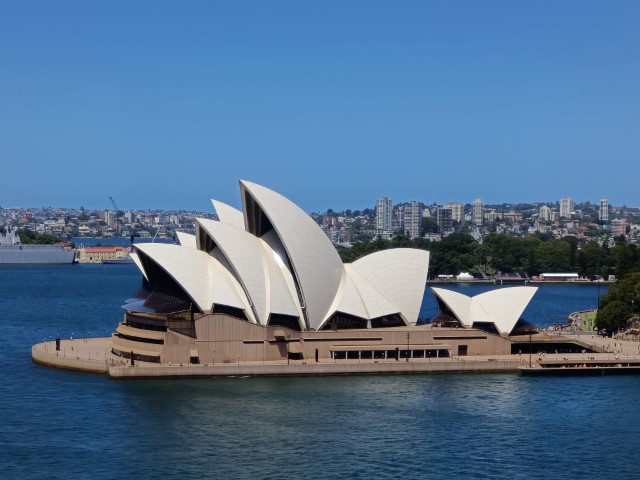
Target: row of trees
(29,237)
(459,252)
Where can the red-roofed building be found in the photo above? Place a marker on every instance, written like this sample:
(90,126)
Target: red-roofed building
(98,254)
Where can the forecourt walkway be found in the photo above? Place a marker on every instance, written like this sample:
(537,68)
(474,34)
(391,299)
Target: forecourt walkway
(614,348)
(93,355)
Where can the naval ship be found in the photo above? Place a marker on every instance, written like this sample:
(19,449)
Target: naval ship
(12,250)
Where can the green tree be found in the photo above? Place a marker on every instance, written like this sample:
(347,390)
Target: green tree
(623,258)
(620,303)
(429,225)
(28,237)
(612,317)
(591,260)
(452,254)
(554,256)
(500,251)
(573,251)
(482,256)
(530,244)
(47,239)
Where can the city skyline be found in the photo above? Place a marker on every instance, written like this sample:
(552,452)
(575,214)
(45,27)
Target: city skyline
(371,204)
(167,105)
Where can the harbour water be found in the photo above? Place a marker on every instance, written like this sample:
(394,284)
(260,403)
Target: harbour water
(114,241)
(62,424)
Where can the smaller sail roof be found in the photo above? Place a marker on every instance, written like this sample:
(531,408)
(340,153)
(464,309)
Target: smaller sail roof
(503,307)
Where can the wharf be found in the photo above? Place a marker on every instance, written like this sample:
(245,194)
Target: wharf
(615,357)
(587,368)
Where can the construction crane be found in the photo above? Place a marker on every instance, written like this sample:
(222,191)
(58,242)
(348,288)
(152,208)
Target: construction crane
(117,220)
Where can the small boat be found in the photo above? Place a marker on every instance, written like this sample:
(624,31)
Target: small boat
(118,261)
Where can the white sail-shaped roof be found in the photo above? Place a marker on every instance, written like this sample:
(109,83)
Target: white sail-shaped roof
(282,288)
(348,300)
(359,297)
(136,259)
(256,269)
(503,307)
(399,275)
(317,268)
(202,277)
(275,263)
(228,214)
(186,239)
(374,301)
(458,303)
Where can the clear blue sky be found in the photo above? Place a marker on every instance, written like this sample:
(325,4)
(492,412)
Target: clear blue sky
(333,104)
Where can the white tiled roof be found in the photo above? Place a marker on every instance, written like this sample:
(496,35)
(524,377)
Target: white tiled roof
(503,307)
(293,269)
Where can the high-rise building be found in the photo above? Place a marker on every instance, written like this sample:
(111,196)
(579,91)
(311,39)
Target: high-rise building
(619,226)
(457,211)
(545,213)
(412,219)
(604,210)
(567,205)
(384,214)
(477,212)
(398,217)
(445,220)
(490,215)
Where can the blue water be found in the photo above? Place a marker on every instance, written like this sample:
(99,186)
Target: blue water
(115,241)
(62,424)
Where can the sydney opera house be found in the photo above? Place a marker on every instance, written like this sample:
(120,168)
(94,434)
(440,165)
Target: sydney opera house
(265,284)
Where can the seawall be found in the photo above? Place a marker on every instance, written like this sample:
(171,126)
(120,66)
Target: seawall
(86,355)
(313,369)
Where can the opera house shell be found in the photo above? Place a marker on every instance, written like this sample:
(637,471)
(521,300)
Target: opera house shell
(266,284)
(497,310)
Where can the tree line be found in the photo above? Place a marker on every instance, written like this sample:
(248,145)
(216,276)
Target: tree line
(29,237)
(533,254)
